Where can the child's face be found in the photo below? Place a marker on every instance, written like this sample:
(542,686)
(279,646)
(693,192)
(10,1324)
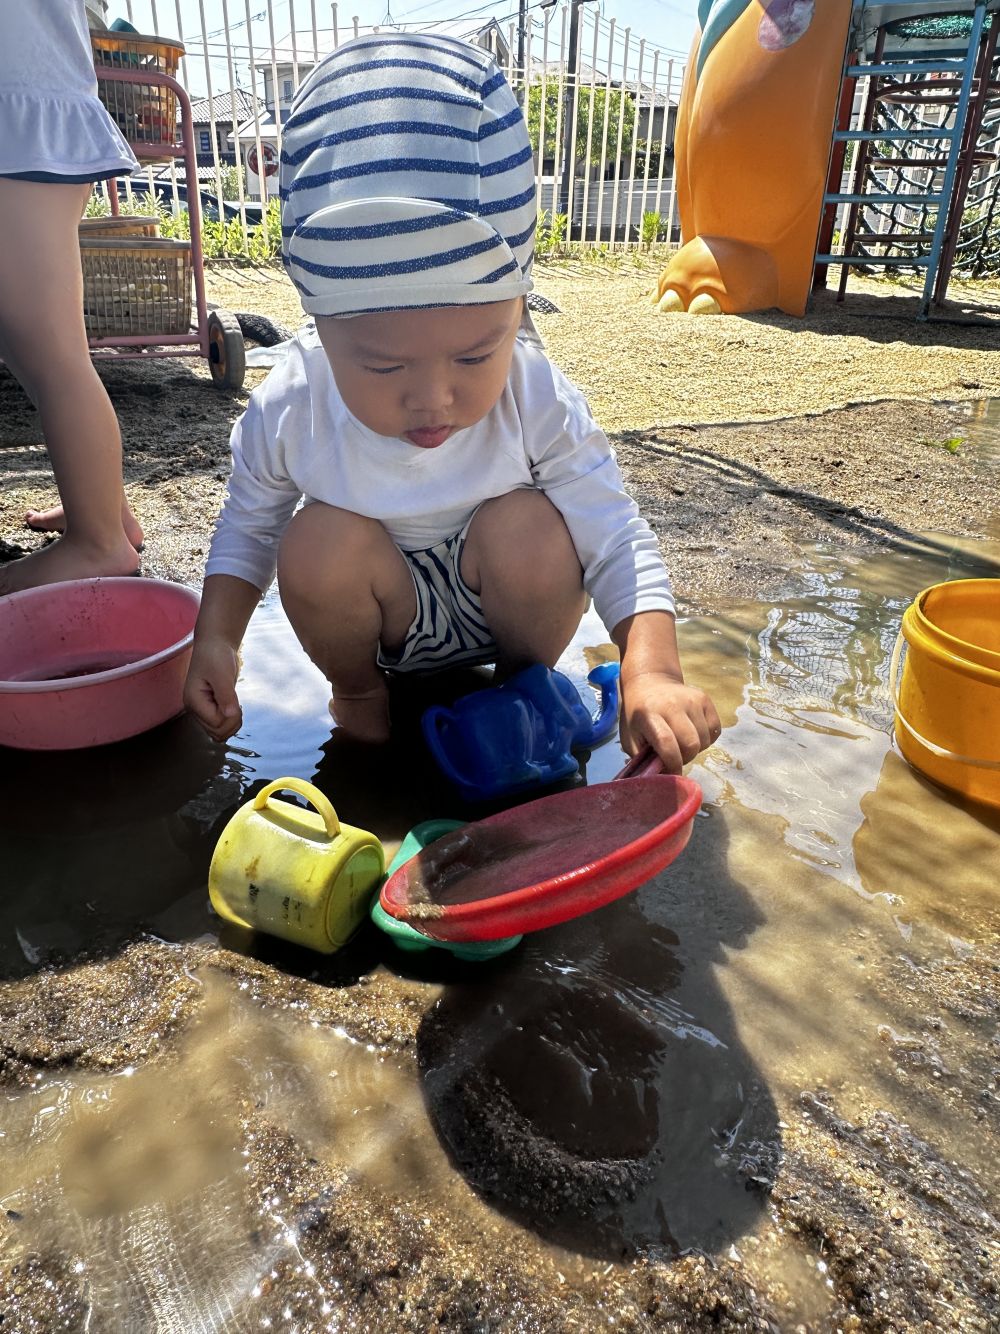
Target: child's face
(421,375)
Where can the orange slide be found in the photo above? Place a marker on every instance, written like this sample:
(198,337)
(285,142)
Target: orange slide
(752,149)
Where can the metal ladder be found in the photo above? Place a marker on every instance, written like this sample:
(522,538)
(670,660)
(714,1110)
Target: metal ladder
(883,75)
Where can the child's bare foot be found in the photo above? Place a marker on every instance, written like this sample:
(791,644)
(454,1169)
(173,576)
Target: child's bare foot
(64,560)
(363,717)
(53,520)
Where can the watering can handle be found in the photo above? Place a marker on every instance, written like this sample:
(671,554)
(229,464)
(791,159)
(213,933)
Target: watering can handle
(431,723)
(312,794)
(940,751)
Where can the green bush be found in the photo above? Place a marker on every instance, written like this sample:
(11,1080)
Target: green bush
(586,152)
(645,150)
(219,240)
(143,205)
(267,236)
(231,177)
(97,206)
(550,234)
(654,227)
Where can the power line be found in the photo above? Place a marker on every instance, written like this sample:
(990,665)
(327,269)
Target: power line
(242,23)
(243,50)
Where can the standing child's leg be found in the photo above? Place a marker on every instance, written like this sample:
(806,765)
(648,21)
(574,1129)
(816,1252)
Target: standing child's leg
(44,342)
(53,520)
(346,588)
(520,559)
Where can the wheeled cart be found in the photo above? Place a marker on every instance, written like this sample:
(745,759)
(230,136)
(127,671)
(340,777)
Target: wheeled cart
(137,287)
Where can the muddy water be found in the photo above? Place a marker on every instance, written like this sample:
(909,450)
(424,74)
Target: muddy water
(141,1178)
(633,1082)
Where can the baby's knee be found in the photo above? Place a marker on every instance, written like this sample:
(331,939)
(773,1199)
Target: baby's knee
(525,529)
(326,547)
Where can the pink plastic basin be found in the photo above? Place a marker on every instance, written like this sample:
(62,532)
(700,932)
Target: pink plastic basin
(92,661)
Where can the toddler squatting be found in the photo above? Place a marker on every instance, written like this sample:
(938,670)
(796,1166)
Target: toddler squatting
(459,501)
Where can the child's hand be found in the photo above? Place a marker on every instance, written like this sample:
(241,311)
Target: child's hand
(676,720)
(210,689)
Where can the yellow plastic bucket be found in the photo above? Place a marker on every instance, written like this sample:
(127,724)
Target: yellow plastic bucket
(299,874)
(948,699)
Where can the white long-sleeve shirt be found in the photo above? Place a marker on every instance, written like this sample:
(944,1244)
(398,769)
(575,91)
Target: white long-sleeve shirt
(298,440)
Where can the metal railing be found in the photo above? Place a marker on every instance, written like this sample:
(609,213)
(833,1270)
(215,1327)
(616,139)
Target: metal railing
(596,184)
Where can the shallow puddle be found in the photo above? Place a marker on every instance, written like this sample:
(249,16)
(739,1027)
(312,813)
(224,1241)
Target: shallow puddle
(619,1084)
(141,1178)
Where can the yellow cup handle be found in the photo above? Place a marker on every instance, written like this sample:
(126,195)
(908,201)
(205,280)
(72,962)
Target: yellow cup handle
(312,794)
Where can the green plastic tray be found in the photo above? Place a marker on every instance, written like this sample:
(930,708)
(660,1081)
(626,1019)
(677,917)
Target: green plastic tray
(407,937)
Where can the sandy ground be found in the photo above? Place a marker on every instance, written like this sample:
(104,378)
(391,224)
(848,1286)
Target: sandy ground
(799,416)
(741,438)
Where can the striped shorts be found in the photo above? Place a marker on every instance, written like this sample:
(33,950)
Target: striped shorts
(448,629)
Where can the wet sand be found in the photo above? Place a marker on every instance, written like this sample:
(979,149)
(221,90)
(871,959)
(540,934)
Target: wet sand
(758,1094)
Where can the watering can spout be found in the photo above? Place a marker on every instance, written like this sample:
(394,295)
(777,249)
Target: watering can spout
(605,677)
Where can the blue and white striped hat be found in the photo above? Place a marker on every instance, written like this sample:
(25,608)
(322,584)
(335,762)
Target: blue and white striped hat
(406,179)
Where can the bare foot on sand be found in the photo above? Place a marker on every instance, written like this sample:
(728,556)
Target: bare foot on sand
(54,521)
(363,717)
(64,560)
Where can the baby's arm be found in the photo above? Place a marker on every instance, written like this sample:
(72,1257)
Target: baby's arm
(658,709)
(259,502)
(227,603)
(572,462)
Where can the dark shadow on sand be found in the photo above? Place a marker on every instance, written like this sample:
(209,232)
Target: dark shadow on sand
(890,316)
(593,1084)
(99,845)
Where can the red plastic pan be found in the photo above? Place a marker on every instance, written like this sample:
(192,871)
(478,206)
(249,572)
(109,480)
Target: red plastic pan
(548,860)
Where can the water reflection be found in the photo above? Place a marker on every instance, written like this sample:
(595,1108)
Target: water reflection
(155,1190)
(138,1184)
(905,847)
(808,734)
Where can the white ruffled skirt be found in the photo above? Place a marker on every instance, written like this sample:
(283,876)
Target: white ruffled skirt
(65,134)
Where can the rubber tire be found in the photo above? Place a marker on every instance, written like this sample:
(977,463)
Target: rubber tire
(227,359)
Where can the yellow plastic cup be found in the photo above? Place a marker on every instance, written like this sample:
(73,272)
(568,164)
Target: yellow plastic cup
(948,697)
(294,873)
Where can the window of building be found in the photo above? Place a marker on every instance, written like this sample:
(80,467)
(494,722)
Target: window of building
(287,90)
(204,141)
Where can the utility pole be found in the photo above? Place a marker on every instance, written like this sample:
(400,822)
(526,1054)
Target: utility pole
(571,93)
(522,35)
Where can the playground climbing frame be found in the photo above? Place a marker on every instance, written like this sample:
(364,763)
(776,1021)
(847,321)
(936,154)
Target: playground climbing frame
(915,173)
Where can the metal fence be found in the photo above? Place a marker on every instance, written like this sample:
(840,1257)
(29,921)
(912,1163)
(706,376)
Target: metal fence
(603,133)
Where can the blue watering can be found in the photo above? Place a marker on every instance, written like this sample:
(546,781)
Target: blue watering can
(521,734)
